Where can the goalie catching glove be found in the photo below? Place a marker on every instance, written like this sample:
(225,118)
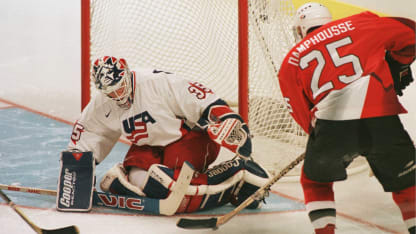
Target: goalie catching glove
(233,135)
(401,73)
(226,128)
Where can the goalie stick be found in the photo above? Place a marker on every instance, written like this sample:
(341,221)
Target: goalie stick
(214,223)
(65,230)
(167,206)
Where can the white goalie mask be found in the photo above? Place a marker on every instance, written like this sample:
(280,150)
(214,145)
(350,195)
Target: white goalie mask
(308,16)
(112,77)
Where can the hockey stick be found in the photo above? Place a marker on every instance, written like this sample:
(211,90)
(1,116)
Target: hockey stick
(28,190)
(147,205)
(65,230)
(214,223)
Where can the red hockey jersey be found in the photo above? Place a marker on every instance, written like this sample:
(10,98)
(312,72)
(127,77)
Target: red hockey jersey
(338,71)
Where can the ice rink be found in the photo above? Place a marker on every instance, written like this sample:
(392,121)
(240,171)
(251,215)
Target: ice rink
(40,99)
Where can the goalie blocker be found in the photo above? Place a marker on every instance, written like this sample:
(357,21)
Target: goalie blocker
(76,181)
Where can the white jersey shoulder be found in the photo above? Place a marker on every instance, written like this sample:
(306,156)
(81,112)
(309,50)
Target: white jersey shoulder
(162,103)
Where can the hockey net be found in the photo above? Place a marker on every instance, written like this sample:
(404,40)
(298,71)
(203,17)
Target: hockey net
(199,40)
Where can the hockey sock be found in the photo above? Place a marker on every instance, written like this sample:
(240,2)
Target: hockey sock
(320,204)
(405,200)
(328,229)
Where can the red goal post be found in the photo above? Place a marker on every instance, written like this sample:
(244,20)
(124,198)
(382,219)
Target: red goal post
(242,57)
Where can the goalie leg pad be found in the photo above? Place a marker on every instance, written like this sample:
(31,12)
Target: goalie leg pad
(221,182)
(115,181)
(211,189)
(159,180)
(255,176)
(76,181)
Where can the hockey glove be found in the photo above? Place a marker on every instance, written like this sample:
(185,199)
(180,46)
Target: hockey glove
(233,135)
(401,73)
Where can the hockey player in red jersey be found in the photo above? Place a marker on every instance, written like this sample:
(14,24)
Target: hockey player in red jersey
(340,83)
(168,120)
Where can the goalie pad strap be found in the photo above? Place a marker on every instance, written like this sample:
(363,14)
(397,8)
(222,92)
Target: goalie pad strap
(76,181)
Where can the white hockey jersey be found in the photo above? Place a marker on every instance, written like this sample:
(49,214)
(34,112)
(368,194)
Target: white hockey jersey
(162,103)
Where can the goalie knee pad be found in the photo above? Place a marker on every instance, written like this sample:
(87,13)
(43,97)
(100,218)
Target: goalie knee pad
(76,181)
(255,176)
(115,181)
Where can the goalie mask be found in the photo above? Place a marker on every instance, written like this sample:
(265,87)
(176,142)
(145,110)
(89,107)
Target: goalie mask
(308,16)
(112,77)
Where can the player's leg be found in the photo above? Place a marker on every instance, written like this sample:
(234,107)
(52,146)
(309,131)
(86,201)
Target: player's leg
(143,156)
(130,178)
(126,178)
(332,145)
(392,159)
(207,190)
(232,180)
(195,147)
(320,204)
(219,185)
(405,200)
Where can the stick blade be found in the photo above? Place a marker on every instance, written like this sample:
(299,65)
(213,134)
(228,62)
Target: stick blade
(65,230)
(170,205)
(197,223)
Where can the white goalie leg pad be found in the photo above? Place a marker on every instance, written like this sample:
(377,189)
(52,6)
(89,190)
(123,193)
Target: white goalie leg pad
(206,191)
(210,189)
(115,181)
(220,178)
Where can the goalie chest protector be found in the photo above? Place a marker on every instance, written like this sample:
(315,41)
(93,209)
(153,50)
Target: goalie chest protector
(76,181)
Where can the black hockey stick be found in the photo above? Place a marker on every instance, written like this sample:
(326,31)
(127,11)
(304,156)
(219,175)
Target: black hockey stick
(65,230)
(214,223)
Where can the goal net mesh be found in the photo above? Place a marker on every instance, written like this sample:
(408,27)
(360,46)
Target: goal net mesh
(198,40)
